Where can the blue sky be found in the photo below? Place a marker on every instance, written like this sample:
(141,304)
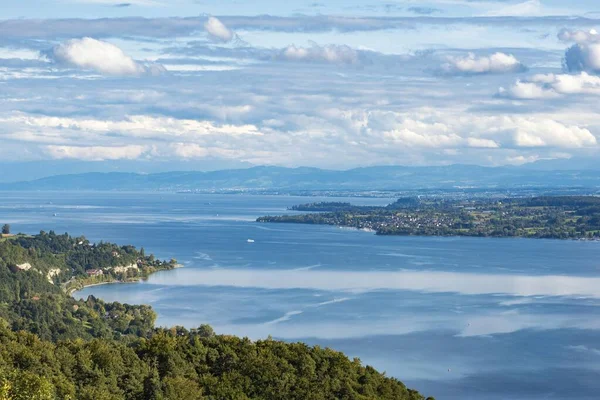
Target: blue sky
(316,83)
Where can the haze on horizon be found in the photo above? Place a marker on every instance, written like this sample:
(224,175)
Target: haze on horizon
(148,84)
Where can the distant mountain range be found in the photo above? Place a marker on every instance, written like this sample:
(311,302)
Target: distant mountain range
(392,178)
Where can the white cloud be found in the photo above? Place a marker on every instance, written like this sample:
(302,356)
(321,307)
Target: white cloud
(497,63)
(550,86)
(189,150)
(135,126)
(521,159)
(571,84)
(410,138)
(535,133)
(583,57)
(334,54)
(332,136)
(95,153)
(579,36)
(100,56)
(428,128)
(527,91)
(218,31)
(23,54)
(195,151)
(482,143)
(526,8)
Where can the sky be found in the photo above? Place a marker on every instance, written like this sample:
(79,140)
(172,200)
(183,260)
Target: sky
(331,84)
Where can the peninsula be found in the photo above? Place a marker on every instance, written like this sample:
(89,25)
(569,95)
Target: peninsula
(552,217)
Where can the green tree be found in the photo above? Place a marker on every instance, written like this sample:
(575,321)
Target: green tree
(6,229)
(152,386)
(206,331)
(179,388)
(24,385)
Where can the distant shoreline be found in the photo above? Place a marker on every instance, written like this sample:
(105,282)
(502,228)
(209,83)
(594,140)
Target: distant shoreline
(543,217)
(449,236)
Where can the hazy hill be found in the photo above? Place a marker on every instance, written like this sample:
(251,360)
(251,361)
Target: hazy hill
(278,178)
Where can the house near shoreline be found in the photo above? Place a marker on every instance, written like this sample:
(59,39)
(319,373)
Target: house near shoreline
(94,272)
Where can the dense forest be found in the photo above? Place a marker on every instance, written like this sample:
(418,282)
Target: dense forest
(552,217)
(73,261)
(55,347)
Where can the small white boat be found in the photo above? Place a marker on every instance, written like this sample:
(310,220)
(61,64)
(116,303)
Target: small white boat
(250,240)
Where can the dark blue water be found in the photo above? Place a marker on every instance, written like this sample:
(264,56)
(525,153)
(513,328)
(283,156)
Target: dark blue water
(457,318)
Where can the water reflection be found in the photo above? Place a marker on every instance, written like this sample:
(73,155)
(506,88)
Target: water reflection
(357,281)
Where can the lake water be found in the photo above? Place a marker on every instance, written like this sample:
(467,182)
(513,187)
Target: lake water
(456,318)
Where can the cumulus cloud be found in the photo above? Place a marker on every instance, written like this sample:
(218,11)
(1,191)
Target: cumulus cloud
(530,133)
(548,86)
(100,56)
(527,91)
(218,31)
(579,36)
(430,129)
(332,53)
(95,153)
(497,63)
(571,84)
(583,57)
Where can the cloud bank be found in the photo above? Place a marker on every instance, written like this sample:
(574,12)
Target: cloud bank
(497,63)
(548,86)
(95,153)
(334,54)
(579,36)
(102,57)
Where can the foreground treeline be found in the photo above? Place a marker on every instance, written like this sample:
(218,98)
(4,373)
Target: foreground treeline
(53,347)
(180,365)
(552,217)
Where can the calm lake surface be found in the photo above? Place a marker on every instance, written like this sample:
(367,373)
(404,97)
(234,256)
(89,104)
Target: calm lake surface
(456,318)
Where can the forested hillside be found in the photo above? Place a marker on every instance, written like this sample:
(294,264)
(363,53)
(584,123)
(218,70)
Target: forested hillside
(55,347)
